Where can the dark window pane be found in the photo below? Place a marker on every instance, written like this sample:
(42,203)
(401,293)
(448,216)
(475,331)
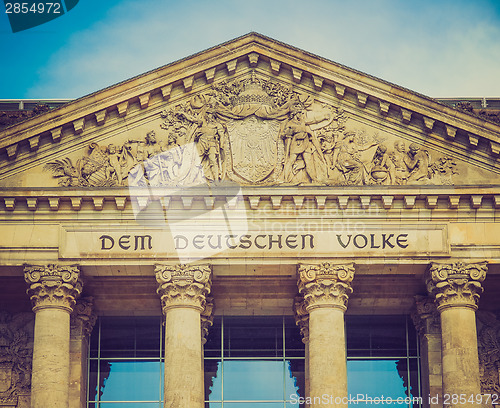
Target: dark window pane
(296,373)
(130,380)
(130,337)
(92,384)
(412,339)
(293,339)
(213,346)
(253,336)
(213,380)
(376,336)
(94,341)
(253,380)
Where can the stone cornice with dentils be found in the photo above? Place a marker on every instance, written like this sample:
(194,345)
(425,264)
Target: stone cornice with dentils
(364,197)
(391,100)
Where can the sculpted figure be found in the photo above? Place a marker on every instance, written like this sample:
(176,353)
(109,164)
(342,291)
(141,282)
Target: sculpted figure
(348,159)
(417,162)
(302,149)
(208,139)
(114,165)
(163,168)
(398,169)
(381,165)
(152,146)
(328,142)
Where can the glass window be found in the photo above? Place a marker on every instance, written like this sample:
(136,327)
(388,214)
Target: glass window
(382,360)
(373,336)
(261,362)
(375,378)
(125,364)
(250,362)
(253,337)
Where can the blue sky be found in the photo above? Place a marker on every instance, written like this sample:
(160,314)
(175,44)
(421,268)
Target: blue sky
(440,48)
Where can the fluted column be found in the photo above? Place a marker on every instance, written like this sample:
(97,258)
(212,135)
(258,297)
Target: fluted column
(427,323)
(457,288)
(326,288)
(53,290)
(302,321)
(183,290)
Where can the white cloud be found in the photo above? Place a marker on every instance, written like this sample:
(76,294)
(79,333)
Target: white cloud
(443,49)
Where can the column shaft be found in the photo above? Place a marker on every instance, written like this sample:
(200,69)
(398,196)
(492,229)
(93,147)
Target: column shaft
(457,288)
(460,354)
(53,291)
(50,376)
(307,375)
(427,323)
(327,357)
(326,289)
(183,359)
(82,321)
(183,290)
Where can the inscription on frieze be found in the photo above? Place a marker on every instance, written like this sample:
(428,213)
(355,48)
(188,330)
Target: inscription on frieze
(203,242)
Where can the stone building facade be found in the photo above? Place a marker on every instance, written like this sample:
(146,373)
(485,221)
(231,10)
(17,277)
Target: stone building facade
(250,208)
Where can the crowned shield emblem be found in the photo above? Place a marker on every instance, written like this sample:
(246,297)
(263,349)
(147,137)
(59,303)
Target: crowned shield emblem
(254,147)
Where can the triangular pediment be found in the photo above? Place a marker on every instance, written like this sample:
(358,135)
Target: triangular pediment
(256,112)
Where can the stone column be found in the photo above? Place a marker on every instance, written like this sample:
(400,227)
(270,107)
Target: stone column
(82,322)
(426,320)
(53,290)
(456,288)
(183,290)
(326,288)
(302,321)
(207,321)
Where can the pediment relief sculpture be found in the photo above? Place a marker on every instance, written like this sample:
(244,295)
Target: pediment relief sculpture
(255,132)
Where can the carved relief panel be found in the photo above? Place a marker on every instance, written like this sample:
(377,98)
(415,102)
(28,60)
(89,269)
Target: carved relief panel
(256,131)
(16,351)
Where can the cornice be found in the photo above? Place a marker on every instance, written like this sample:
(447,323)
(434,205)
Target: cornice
(255,198)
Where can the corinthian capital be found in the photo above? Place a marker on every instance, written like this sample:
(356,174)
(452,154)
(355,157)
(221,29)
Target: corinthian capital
(456,284)
(53,286)
(183,285)
(425,316)
(83,315)
(325,284)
